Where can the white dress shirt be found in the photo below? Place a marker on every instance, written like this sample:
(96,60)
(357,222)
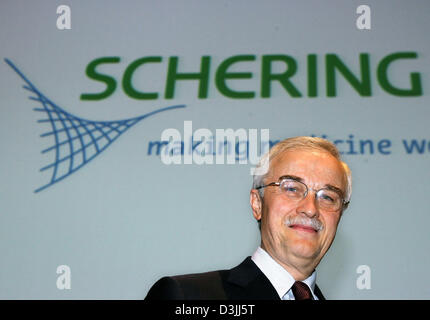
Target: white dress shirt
(280,278)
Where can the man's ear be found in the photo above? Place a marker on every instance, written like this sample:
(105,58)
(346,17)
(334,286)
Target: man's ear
(256,203)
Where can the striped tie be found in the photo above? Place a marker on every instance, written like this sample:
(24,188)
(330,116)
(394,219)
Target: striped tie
(301,291)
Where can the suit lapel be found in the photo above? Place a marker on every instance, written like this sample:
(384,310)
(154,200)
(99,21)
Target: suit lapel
(246,281)
(318,293)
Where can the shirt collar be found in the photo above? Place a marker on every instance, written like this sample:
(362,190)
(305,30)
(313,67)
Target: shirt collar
(280,278)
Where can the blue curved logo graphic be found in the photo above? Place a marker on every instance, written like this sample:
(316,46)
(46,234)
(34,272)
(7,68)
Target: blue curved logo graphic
(77,141)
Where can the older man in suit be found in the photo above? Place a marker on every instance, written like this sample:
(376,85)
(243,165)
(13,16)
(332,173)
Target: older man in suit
(298,203)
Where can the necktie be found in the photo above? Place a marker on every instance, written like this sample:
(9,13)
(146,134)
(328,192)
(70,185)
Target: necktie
(301,291)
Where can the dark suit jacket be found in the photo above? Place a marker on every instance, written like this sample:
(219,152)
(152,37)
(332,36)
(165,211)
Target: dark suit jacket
(244,282)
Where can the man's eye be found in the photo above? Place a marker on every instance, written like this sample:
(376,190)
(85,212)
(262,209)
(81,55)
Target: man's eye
(293,188)
(328,198)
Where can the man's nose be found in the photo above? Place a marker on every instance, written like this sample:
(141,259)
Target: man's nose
(308,205)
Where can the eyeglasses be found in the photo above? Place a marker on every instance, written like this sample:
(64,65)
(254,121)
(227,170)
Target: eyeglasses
(329,198)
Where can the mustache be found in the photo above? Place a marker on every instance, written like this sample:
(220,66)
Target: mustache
(308,222)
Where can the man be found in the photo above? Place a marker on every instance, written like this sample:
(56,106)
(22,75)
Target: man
(298,204)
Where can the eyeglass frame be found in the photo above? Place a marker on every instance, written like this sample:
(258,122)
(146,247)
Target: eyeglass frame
(344,203)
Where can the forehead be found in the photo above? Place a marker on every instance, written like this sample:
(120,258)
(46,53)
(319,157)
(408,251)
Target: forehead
(313,166)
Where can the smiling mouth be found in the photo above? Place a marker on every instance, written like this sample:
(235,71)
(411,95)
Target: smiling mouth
(300,227)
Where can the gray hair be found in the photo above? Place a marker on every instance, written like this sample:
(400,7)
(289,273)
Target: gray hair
(306,143)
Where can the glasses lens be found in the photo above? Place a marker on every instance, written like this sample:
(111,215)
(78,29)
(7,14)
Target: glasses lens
(329,199)
(293,189)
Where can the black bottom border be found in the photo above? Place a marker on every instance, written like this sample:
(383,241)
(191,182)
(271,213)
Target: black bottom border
(216,309)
